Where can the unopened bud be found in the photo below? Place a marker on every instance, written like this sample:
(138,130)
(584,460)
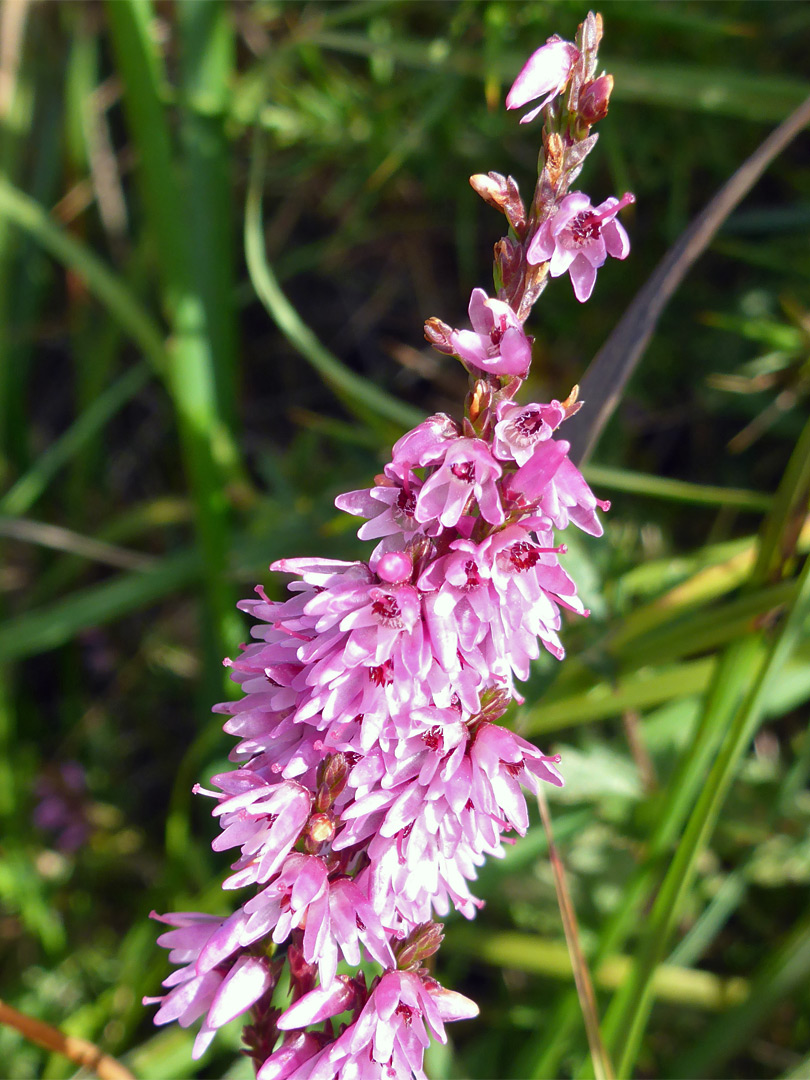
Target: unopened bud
(594,99)
(501,192)
(419,945)
(478,400)
(491,187)
(508,259)
(494,704)
(554,157)
(572,404)
(302,973)
(394,567)
(438,334)
(333,774)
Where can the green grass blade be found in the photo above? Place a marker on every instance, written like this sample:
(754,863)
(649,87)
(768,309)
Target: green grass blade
(785,971)
(38,631)
(624,1025)
(208,451)
(357,394)
(660,487)
(105,285)
(722,92)
(207,62)
(25,492)
(536,955)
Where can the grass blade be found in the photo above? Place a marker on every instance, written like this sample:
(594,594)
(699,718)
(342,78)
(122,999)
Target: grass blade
(357,394)
(25,492)
(624,1024)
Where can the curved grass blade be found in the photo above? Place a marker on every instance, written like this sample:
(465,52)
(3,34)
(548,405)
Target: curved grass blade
(358,395)
(105,285)
(661,487)
(21,497)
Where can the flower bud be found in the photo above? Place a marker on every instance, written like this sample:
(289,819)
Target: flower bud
(395,567)
(419,945)
(491,187)
(438,334)
(333,774)
(320,829)
(594,99)
(501,192)
(494,704)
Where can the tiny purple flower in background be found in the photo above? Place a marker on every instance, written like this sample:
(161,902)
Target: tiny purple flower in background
(579,237)
(64,805)
(545,74)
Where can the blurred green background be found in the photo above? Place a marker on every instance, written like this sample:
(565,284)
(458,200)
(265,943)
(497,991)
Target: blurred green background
(174,415)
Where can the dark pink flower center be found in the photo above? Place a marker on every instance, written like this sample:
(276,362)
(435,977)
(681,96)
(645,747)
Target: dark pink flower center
(433,738)
(406,502)
(406,1013)
(522,556)
(473,577)
(497,332)
(463,470)
(529,422)
(585,226)
(387,610)
(382,675)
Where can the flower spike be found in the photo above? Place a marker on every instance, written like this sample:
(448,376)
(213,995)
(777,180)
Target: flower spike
(373,769)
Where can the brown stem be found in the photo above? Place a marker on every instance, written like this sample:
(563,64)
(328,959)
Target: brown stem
(602,1067)
(84,1054)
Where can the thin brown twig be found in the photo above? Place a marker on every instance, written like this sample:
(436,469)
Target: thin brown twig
(602,1067)
(84,1054)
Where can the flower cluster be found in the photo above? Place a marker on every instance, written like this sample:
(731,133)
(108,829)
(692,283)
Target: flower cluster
(372,777)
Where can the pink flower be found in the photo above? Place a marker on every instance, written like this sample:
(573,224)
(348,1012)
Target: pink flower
(562,495)
(579,237)
(497,341)
(521,427)
(225,987)
(469,471)
(547,71)
(334,914)
(265,820)
(390,1035)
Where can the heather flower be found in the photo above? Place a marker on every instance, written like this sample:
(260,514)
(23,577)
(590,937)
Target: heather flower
(334,915)
(468,473)
(265,820)
(521,427)
(389,1036)
(497,342)
(371,780)
(63,805)
(558,489)
(220,989)
(579,237)
(545,74)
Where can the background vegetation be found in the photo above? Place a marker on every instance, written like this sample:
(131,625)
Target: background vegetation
(170,421)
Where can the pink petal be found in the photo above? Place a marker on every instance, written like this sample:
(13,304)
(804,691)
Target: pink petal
(583,276)
(318,1005)
(546,70)
(243,986)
